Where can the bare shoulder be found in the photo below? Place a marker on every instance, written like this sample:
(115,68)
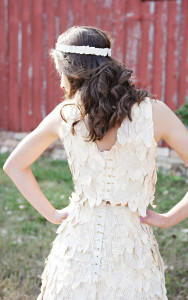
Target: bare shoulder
(54,117)
(170,128)
(52,122)
(159,106)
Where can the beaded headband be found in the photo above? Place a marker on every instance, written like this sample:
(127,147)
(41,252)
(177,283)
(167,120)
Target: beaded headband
(83,49)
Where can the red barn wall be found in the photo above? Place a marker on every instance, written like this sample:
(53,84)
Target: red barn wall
(150,37)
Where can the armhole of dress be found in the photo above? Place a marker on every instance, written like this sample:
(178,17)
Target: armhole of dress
(154,175)
(71,112)
(152,123)
(65,125)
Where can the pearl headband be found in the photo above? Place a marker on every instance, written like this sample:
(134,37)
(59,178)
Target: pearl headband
(83,49)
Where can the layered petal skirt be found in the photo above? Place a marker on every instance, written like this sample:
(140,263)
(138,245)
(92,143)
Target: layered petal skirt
(103,252)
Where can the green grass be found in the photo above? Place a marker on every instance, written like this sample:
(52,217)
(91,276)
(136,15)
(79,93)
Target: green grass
(26,237)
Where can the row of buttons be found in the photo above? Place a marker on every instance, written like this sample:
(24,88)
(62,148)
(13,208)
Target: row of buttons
(98,238)
(99,228)
(108,175)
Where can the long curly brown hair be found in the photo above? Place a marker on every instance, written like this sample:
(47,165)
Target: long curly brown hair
(106,91)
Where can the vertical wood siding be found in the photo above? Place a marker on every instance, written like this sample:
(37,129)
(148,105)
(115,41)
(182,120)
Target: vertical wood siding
(150,37)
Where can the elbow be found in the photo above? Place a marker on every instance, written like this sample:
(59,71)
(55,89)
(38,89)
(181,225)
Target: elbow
(7,168)
(11,168)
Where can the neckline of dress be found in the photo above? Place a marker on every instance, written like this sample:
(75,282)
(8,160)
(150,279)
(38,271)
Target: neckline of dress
(113,146)
(95,144)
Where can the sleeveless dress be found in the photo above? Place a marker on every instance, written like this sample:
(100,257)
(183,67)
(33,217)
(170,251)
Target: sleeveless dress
(101,250)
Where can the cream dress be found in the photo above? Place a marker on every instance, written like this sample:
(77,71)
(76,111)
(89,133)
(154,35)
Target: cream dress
(101,250)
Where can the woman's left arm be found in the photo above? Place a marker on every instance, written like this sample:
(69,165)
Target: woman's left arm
(174,132)
(17,166)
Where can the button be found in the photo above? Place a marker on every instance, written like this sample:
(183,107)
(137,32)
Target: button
(107,175)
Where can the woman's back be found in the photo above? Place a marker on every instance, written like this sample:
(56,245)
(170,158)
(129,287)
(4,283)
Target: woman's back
(123,174)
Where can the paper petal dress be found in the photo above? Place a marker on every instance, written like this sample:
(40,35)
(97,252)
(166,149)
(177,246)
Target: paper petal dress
(101,250)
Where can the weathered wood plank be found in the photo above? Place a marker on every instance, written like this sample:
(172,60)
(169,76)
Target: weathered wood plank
(4,66)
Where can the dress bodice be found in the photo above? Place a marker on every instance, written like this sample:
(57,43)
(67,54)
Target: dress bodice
(126,174)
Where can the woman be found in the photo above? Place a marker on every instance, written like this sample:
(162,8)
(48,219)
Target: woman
(105,247)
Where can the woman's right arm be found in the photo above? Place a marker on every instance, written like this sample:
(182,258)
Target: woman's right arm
(17,166)
(174,132)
